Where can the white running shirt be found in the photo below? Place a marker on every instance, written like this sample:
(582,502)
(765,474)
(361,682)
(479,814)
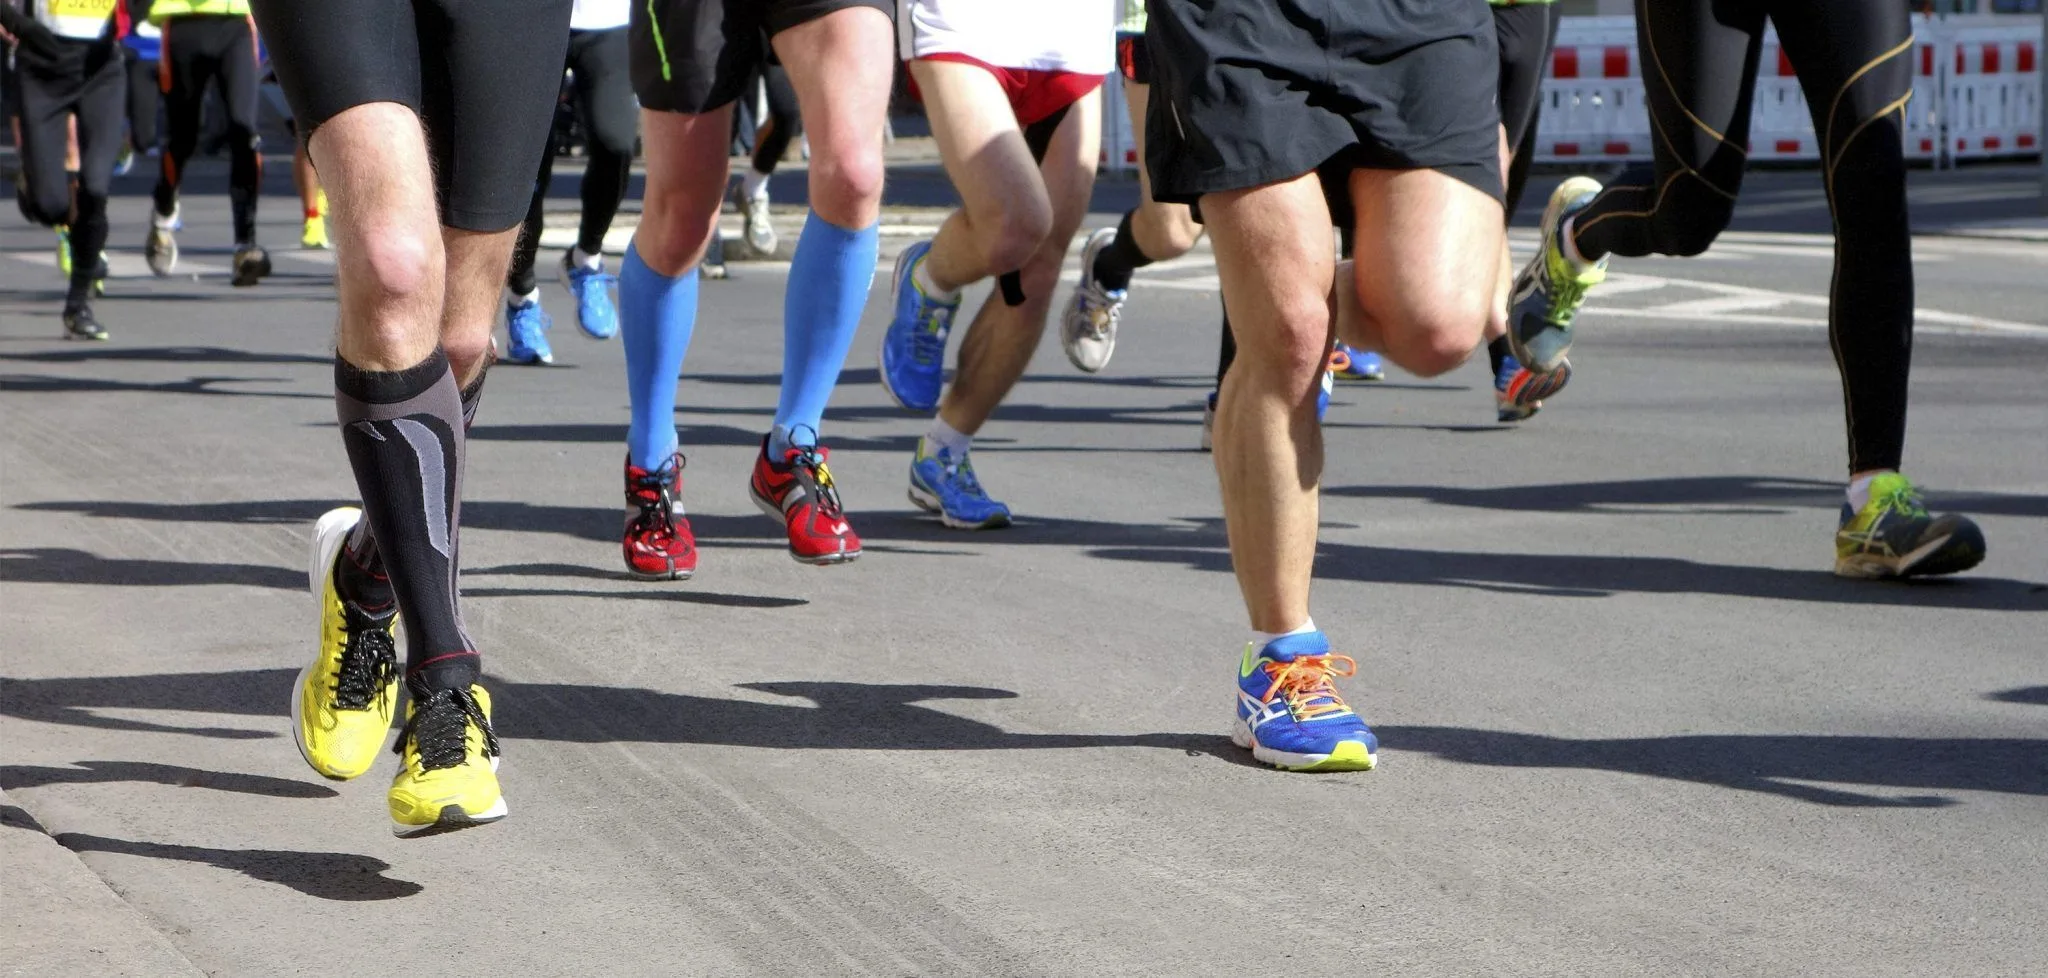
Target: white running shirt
(1077,36)
(596,15)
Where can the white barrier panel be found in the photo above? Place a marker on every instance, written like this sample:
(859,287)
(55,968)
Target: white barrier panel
(1976,94)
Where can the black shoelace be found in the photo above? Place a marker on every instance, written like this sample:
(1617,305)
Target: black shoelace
(369,664)
(655,494)
(812,474)
(439,725)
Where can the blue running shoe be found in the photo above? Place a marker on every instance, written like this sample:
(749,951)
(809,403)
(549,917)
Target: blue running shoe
(1518,392)
(596,315)
(1323,396)
(914,346)
(1350,364)
(944,485)
(528,323)
(1290,716)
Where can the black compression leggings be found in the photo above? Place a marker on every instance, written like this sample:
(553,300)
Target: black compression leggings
(771,138)
(1854,60)
(604,101)
(198,50)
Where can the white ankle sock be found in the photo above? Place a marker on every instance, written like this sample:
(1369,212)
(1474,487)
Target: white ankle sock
(754,183)
(522,301)
(921,274)
(578,257)
(943,436)
(1262,639)
(1859,490)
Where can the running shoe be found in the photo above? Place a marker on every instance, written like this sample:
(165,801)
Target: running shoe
(713,265)
(658,544)
(79,324)
(527,323)
(1088,326)
(161,249)
(63,250)
(798,492)
(450,778)
(914,345)
(596,315)
(1323,395)
(1290,715)
(1893,536)
(314,234)
(124,162)
(1552,287)
(758,232)
(99,277)
(252,265)
(1350,364)
(942,484)
(1518,392)
(343,700)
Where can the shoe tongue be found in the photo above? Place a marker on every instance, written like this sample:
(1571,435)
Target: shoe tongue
(1287,647)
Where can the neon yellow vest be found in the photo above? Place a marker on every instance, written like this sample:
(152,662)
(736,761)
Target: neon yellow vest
(163,10)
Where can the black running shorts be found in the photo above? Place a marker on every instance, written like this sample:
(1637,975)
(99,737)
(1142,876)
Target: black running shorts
(696,55)
(1251,92)
(483,75)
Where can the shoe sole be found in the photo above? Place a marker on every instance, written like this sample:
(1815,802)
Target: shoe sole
(1932,559)
(1525,400)
(329,534)
(452,819)
(674,574)
(924,500)
(1350,755)
(1068,338)
(774,512)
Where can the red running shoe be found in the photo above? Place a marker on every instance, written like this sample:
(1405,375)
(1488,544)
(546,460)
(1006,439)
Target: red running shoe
(658,544)
(799,492)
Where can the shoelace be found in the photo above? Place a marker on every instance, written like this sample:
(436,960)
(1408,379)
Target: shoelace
(811,472)
(369,663)
(928,344)
(961,474)
(1304,683)
(1340,361)
(439,729)
(1104,308)
(1904,498)
(657,511)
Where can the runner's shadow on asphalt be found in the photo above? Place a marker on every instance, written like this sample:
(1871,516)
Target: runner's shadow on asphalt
(1600,576)
(343,876)
(14,776)
(1731,494)
(166,354)
(820,716)
(2031,695)
(1789,766)
(62,565)
(39,384)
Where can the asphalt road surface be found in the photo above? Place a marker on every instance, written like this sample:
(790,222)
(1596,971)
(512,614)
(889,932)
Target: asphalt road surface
(1631,725)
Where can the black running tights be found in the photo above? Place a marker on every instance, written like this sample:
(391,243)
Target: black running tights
(202,49)
(604,101)
(1854,61)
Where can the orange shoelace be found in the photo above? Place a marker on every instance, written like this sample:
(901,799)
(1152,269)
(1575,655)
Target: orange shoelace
(1340,361)
(1305,683)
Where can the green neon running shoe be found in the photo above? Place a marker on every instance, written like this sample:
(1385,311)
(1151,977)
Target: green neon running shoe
(1552,287)
(1894,536)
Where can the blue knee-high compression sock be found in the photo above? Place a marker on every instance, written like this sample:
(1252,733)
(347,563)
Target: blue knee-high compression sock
(656,317)
(828,287)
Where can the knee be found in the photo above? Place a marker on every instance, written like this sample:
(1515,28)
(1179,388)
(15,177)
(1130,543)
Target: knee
(1690,228)
(1291,357)
(673,233)
(1018,233)
(1437,339)
(846,188)
(613,138)
(401,265)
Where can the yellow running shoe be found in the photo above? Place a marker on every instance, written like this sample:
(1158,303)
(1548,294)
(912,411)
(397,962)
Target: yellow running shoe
(450,780)
(1552,287)
(1894,535)
(315,234)
(343,701)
